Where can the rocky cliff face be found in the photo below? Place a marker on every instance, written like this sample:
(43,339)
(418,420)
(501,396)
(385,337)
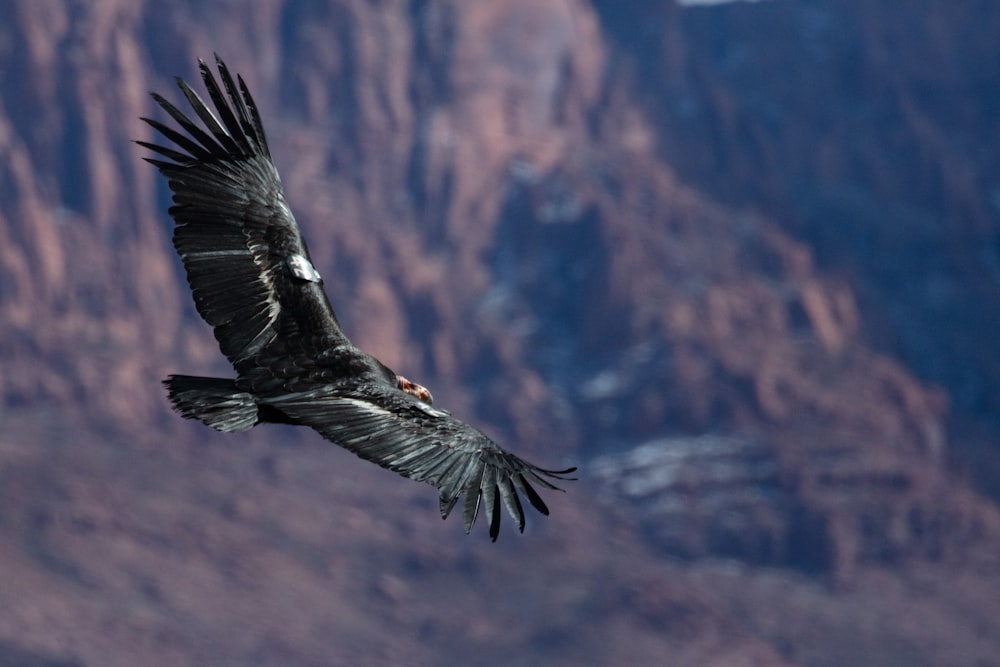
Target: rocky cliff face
(630,237)
(868,131)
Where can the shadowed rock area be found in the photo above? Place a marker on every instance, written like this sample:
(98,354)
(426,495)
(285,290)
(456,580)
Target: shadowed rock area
(737,262)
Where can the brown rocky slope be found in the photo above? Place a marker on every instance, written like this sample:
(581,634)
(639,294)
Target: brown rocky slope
(488,199)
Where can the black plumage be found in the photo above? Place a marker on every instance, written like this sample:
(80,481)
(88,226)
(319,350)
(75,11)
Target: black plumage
(253,281)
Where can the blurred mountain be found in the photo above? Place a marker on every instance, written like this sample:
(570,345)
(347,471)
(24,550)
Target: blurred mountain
(867,131)
(739,262)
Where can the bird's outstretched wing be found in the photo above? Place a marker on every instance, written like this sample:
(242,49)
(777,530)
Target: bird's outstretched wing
(247,264)
(399,432)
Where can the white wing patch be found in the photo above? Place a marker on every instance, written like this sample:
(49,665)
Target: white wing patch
(302,268)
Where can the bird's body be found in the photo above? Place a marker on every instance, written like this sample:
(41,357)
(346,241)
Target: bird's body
(253,281)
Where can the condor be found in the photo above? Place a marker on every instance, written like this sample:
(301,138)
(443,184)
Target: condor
(253,281)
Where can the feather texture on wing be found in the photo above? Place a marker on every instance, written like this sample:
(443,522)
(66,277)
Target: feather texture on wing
(248,266)
(400,433)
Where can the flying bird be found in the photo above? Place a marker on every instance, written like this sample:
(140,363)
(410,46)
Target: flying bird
(253,281)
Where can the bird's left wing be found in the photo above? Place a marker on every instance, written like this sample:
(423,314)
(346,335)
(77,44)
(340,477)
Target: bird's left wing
(398,432)
(247,264)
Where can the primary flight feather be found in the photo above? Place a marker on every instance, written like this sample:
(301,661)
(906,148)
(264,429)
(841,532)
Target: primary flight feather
(253,281)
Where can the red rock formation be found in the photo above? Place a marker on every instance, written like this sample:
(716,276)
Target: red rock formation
(493,201)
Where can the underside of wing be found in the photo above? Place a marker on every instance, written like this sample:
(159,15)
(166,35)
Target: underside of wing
(247,264)
(400,433)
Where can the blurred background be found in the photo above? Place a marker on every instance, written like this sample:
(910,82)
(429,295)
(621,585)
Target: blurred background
(739,261)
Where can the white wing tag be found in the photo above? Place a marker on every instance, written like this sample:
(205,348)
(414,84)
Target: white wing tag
(303,269)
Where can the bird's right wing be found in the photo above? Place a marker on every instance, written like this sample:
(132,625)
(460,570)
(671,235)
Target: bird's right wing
(398,432)
(247,264)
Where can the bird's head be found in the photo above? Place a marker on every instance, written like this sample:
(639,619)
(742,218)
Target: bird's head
(415,389)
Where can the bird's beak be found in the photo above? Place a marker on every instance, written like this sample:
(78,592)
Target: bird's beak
(415,389)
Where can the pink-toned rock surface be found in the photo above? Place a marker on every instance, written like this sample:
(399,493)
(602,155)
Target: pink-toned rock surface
(503,211)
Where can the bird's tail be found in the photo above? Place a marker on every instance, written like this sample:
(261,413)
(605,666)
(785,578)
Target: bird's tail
(216,402)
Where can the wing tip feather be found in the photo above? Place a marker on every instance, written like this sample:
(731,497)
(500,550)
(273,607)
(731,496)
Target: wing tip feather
(499,486)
